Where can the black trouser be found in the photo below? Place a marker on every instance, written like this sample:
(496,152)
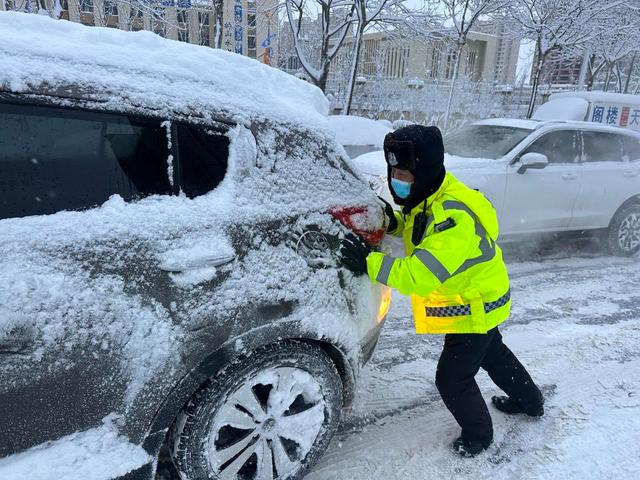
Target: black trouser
(461,358)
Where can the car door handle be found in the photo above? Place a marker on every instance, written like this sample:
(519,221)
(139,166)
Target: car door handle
(631,173)
(569,176)
(195,263)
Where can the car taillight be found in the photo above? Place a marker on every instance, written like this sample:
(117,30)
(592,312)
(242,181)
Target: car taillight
(358,220)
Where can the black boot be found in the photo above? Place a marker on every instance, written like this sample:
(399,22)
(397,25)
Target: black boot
(512,407)
(469,448)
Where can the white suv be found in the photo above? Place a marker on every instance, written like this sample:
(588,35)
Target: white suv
(547,176)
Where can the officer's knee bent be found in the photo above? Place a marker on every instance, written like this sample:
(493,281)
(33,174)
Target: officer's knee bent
(446,380)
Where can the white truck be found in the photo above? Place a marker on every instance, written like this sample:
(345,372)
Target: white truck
(612,109)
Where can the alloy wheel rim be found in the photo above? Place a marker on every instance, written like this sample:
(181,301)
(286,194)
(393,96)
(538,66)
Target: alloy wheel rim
(629,232)
(267,426)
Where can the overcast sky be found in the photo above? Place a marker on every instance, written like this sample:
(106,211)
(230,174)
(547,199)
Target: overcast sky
(525,60)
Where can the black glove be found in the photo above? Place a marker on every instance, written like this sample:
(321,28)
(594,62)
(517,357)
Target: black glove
(353,254)
(388,211)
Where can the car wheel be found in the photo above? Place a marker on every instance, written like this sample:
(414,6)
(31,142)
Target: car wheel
(624,231)
(269,415)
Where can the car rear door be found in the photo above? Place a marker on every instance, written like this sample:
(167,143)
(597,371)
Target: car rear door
(78,292)
(542,200)
(606,180)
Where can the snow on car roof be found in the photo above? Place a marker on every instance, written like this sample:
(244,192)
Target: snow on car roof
(510,122)
(354,130)
(563,108)
(600,97)
(142,68)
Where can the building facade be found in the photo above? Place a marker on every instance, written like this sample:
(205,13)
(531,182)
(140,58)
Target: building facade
(246,27)
(506,50)
(490,55)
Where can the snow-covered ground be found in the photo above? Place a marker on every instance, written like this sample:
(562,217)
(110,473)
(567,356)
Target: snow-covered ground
(575,325)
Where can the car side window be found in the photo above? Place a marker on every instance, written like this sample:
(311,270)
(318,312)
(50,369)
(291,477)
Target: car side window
(631,147)
(602,147)
(54,159)
(561,146)
(203,155)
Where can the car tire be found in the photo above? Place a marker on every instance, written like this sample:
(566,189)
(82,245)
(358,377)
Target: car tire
(269,415)
(624,231)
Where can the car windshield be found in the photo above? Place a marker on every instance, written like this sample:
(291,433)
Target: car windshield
(484,141)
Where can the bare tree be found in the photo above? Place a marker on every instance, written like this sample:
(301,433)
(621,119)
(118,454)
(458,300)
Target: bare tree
(367,13)
(557,27)
(464,15)
(334,19)
(615,42)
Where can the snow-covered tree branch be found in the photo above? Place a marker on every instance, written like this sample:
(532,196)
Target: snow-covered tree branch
(561,27)
(464,14)
(317,47)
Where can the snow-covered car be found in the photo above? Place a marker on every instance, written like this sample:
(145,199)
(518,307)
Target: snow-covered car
(358,135)
(169,221)
(545,177)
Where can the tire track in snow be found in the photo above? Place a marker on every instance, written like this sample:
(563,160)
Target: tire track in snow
(407,436)
(414,444)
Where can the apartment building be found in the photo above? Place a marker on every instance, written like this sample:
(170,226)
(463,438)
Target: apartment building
(507,48)
(246,27)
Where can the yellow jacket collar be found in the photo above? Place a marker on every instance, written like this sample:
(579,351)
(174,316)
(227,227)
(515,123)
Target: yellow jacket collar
(433,196)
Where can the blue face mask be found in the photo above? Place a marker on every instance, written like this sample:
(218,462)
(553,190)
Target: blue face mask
(402,189)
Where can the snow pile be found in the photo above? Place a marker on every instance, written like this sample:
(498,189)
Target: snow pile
(564,108)
(353,130)
(372,163)
(96,454)
(141,68)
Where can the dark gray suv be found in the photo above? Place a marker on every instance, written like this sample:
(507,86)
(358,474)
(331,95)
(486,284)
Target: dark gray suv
(169,276)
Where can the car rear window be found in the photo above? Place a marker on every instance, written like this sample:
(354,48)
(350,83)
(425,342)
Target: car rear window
(631,147)
(203,155)
(58,159)
(484,141)
(602,147)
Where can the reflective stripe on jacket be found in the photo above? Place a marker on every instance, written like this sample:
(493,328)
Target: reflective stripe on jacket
(456,277)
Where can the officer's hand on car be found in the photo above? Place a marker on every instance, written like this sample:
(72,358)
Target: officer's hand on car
(353,254)
(388,211)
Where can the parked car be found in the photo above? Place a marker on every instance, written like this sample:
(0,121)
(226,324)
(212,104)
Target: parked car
(358,135)
(168,269)
(546,177)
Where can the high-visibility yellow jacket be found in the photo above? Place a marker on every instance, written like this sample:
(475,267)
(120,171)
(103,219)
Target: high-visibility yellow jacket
(456,277)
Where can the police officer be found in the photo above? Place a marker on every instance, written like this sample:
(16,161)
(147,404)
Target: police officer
(456,278)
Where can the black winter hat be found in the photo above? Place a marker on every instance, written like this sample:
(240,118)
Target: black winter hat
(428,167)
